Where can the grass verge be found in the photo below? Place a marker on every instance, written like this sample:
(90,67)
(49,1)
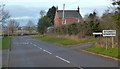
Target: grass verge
(5,42)
(61,40)
(113,52)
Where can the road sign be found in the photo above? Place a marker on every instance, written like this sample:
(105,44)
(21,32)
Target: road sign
(99,33)
(109,32)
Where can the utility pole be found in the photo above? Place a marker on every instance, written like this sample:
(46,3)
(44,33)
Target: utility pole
(63,20)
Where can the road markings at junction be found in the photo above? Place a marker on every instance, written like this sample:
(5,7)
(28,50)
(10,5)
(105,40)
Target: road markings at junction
(63,59)
(51,53)
(43,50)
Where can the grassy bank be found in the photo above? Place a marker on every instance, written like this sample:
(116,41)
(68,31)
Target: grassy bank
(113,52)
(61,40)
(5,42)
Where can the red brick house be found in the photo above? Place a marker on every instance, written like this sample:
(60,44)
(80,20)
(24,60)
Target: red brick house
(70,16)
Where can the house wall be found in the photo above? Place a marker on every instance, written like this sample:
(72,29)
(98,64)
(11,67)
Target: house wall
(72,20)
(56,20)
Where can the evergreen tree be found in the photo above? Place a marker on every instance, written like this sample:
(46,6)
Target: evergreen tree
(116,17)
(51,14)
(43,23)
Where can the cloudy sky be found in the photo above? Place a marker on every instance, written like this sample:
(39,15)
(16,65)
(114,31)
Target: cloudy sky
(24,10)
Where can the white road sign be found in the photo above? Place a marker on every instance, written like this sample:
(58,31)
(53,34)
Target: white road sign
(109,32)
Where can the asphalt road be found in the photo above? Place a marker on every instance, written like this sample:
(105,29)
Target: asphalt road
(27,52)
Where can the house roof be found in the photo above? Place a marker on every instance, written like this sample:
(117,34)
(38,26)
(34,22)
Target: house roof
(69,14)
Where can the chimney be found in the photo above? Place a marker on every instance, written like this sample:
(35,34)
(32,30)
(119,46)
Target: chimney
(63,20)
(78,9)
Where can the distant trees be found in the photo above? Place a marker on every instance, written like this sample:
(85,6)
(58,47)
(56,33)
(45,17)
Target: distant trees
(29,26)
(12,26)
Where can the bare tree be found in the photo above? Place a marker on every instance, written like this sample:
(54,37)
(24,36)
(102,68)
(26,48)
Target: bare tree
(13,25)
(4,15)
(29,26)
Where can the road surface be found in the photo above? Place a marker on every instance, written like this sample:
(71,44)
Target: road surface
(27,52)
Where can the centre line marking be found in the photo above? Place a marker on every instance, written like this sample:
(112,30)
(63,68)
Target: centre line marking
(63,59)
(47,51)
(44,50)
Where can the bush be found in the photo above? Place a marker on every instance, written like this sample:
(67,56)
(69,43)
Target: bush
(82,29)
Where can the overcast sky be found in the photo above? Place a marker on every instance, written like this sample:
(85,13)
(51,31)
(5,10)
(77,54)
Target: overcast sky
(24,10)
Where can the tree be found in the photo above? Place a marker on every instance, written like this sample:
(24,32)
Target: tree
(51,14)
(43,23)
(93,22)
(4,15)
(29,26)
(13,25)
(116,18)
(107,22)
(42,13)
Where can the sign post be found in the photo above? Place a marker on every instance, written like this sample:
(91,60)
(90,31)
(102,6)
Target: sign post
(106,44)
(109,33)
(112,42)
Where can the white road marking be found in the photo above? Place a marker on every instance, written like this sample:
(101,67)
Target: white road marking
(39,47)
(43,50)
(47,51)
(63,59)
